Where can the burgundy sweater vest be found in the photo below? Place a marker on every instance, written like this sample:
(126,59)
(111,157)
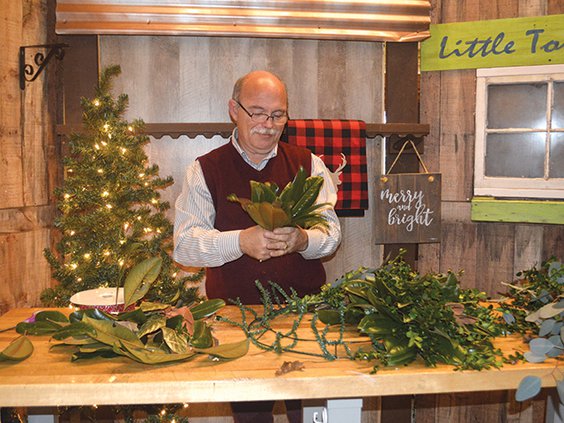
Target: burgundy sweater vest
(226,172)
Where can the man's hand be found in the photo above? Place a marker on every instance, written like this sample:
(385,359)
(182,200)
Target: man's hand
(286,240)
(261,244)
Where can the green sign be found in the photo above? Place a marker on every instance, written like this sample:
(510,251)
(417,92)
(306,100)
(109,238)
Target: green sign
(494,43)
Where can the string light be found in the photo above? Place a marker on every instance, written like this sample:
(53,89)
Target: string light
(73,266)
(106,127)
(71,233)
(141,175)
(96,102)
(67,196)
(109,206)
(130,128)
(121,262)
(106,253)
(87,256)
(100,170)
(123,150)
(104,143)
(154,200)
(105,194)
(125,226)
(96,146)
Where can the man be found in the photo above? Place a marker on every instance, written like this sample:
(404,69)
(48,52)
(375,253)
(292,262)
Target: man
(212,232)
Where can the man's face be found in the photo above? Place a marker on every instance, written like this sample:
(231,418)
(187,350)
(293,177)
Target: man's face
(259,95)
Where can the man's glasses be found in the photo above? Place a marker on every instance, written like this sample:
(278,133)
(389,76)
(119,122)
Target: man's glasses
(277,117)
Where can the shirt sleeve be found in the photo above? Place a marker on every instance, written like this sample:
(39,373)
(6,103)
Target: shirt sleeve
(324,241)
(196,241)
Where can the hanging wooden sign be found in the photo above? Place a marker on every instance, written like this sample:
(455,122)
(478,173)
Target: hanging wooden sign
(408,208)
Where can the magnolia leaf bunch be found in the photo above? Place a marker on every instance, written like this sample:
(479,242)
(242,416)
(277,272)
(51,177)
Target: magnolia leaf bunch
(150,334)
(294,206)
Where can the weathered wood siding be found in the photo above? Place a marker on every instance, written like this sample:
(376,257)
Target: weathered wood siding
(489,253)
(188,79)
(29,159)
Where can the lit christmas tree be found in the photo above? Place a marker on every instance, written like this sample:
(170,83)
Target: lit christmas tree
(111,213)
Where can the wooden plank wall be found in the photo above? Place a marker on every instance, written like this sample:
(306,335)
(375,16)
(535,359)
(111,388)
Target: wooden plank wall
(489,253)
(325,79)
(29,155)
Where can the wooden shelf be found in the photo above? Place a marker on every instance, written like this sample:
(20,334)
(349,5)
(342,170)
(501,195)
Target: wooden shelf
(208,130)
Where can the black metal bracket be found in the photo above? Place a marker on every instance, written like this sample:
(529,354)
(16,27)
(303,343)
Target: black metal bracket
(30,72)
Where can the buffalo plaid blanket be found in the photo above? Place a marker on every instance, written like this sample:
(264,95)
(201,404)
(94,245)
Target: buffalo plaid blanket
(341,144)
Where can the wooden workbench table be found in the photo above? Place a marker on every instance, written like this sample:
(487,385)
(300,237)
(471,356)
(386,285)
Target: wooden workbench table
(49,378)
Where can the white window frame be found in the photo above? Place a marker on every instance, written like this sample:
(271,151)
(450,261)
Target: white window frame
(507,186)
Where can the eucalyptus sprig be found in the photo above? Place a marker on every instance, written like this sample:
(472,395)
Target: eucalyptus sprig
(534,307)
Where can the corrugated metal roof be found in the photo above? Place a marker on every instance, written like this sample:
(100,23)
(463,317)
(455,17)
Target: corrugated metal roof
(376,20)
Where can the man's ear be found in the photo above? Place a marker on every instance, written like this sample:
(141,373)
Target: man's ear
(233,110)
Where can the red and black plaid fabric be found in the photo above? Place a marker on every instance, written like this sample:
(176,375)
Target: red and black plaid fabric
(328,139)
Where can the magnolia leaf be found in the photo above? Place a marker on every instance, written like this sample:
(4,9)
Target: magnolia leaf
(93,313)
(136,316)
(528,388)
(540,346)
(311,190)
(104,353)
(273,216)
(93,347)
(549,310)
(187,319)
(227,351)
(75,330)
(202,337)
(51,316)
(37,328)
(263,192)
(111,333)
(19,349)
(153,324)
(147,306)
(140,278)
(145,356)
(534,358)
(175,341)
(207,308)
(329,317)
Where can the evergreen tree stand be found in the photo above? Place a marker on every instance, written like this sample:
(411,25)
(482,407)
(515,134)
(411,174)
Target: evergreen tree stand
(111,213)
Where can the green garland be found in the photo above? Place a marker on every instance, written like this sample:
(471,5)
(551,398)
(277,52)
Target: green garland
(405,315)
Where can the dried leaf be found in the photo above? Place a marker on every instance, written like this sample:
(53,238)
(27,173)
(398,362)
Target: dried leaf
(290,366)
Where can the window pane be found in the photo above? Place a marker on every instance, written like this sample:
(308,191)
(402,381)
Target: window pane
(517,106)
(556,166)
(518,155)
(558,110)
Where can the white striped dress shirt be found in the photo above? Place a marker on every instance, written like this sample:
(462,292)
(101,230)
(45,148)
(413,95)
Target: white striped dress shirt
(197,243)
